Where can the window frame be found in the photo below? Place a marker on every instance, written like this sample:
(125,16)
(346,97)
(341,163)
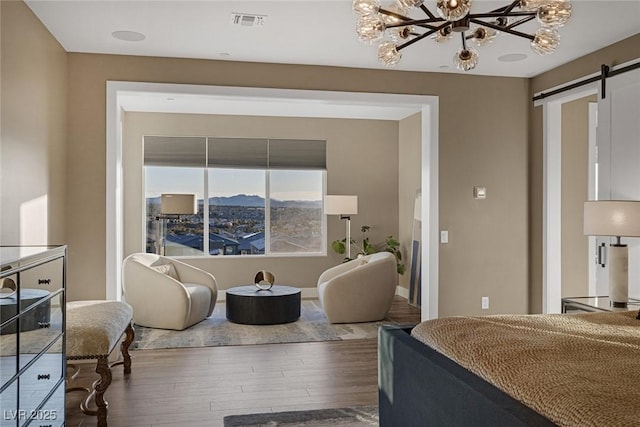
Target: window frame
(267,212)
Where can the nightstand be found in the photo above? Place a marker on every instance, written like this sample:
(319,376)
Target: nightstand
(590,304)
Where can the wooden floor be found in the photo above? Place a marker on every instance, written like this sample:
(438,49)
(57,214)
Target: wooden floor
(199,386)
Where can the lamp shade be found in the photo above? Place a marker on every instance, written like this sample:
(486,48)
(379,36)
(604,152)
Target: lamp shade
(340,205)
(612,218)
(178,204)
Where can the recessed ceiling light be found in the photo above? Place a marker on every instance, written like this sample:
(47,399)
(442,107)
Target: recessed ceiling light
(512,57)
(128,36)
(444,67)
(225,54)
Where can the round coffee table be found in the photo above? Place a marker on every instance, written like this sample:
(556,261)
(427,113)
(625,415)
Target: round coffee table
(252,306)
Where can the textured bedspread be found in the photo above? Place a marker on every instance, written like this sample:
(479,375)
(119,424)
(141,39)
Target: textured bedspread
(576,370)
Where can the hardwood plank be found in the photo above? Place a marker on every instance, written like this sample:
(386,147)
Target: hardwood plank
(199,386)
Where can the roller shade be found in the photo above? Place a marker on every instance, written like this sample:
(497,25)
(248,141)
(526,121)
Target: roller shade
(238,152)
(175,151)
(260,153)
(297,154)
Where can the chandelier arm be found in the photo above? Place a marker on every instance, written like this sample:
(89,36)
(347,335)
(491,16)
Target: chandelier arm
(426,10)
(394,14)
(464,41)
(520,22)
(420,37)
(512,6)
(500,14)
(503,29)
(408,24)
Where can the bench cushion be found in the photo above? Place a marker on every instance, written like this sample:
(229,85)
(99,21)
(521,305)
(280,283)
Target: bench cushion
(95,327)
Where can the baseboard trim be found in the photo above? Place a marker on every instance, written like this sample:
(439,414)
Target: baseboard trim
(403,292)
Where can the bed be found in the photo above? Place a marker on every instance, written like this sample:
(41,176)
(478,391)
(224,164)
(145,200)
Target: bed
(509,370)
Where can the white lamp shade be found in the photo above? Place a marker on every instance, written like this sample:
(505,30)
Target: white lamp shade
(178,204)
(340,205)
(612,218)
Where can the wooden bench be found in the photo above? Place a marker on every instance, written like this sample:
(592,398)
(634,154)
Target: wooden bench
(93,329)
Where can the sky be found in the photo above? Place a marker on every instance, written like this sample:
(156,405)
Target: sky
(285,185)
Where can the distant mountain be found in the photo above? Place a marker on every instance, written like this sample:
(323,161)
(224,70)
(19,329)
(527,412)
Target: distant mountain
(237,200)
(257,201)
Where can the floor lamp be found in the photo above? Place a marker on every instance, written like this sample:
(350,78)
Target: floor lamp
(345,206)
(173,205)
(618,218)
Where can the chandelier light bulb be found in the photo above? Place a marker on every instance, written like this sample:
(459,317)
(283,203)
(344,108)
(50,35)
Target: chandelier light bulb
(546,41)
(531,5)
(388,54)
(453,10)
(365,7)
(443,35)
(370,29)
(554,14)
(483,36)
(466,59)
(411,3)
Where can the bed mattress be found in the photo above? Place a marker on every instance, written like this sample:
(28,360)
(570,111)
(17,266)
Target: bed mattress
(576,370)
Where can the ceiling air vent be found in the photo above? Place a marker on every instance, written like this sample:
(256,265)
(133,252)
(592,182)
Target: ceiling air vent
(247,20)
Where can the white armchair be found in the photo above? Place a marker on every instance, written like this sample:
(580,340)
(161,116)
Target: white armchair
(360,290)
(166,293)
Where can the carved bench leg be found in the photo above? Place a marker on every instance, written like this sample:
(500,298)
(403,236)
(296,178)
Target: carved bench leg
(125,348)
(100,386)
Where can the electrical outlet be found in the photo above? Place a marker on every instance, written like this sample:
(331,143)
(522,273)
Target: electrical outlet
(485,303)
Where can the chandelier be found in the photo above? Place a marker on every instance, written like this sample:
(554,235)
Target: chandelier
(393,27)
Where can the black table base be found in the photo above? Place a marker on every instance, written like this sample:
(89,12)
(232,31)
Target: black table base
(252,306)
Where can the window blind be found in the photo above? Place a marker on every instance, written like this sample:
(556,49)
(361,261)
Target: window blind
(260,153)
(297,154)
(175,151)
(238,152)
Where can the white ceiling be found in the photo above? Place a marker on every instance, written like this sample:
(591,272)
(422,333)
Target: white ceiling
(309,32)
(297,32)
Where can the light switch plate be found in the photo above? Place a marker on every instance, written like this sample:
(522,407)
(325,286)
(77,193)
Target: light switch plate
(479,192)
(444,236)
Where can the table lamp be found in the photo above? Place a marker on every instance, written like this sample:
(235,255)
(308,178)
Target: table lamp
(174,205)
(617,218)
(345,206)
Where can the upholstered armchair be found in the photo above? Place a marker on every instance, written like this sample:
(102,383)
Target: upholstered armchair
(166,293)
(360,290)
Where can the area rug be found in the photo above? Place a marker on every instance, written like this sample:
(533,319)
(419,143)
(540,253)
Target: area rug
(218,331)
(356,416)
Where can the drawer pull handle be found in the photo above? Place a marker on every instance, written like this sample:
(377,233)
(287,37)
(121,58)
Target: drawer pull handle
(44,324)
(44,281)
(44,376)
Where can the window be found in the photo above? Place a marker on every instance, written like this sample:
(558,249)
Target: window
(262,196)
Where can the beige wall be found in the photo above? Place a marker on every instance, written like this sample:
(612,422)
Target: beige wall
(409,168)
(33,130)
(362,159)
(618,53)
(575,191)
(483,138)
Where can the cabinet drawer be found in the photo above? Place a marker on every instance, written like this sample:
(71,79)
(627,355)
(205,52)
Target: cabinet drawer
(45,276)
(8,352)
(41,377)
(40,326)
(9,415)
(52,413)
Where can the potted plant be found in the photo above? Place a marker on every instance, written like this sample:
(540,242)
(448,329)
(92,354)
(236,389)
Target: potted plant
(367,248)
